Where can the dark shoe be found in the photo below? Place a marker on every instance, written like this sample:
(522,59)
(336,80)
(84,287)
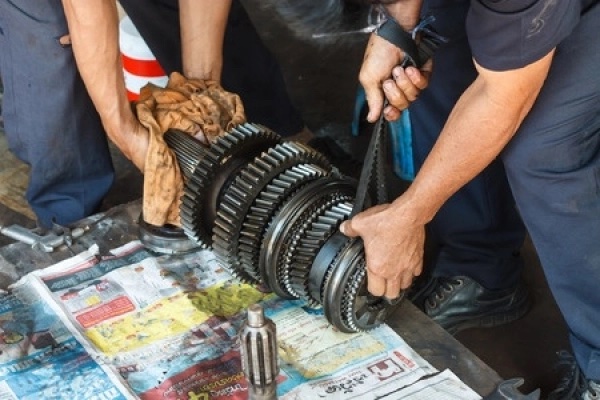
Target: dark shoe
(459,303)
(574,386)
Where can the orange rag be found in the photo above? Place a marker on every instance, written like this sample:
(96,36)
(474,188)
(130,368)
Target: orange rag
(201,108)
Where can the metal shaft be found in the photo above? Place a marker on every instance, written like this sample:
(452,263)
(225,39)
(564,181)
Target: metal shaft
(258,346)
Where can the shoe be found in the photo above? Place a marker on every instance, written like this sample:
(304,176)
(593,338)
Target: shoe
(574,385)
(459,303)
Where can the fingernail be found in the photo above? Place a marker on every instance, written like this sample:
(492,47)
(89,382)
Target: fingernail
(343,228)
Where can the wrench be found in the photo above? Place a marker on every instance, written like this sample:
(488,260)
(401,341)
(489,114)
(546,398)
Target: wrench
(46,243)
(508,390)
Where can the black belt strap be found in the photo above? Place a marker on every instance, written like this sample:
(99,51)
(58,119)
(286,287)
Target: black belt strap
(414,54)
(372,175)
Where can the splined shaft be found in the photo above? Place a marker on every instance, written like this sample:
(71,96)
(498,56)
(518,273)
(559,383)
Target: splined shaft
(258,347)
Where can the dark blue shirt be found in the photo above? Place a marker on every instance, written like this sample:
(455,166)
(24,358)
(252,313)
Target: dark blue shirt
(509,34)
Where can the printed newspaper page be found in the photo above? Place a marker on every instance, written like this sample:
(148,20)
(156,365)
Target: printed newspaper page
(41,359)
(168,326)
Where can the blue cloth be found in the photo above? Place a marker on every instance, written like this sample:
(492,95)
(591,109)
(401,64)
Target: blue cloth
(510,34)
(401,136)
(400,132)
(49,119)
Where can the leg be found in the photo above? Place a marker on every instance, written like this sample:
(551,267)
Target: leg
(478,230)
(553,165)
(249,68)
(50,121)
(474,275)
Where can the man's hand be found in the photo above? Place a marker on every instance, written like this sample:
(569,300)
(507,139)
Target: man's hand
(382,77)
(394,246)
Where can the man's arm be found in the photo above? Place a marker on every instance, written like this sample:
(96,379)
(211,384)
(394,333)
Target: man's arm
(481,124)
(93,28)
(203,25)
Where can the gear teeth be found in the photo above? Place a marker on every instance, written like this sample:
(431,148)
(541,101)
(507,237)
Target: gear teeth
(265,206)
(239,197)
(309,243)
(351,297)
(244,139)
(331,268)
(295,272)
(283,266)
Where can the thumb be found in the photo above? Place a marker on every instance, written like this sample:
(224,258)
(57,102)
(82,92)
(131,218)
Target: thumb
(347,229)
(374,98)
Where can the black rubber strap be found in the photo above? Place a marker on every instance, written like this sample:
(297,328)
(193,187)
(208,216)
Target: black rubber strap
(372,170)
(391,31)
(414,54)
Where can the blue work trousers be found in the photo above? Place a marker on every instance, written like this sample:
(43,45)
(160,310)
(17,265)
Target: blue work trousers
(49,119)
(478,231)
(553,166)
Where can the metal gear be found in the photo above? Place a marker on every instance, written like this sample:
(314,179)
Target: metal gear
(265,206)
(202,189)
(353,308)
(309,201)
(271,212)
(238,197)
(310,241)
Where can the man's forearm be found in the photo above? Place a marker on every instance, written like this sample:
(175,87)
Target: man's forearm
(482,122)
(93,28)
(203,25)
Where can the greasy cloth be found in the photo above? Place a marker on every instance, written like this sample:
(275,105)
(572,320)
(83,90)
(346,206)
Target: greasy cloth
(201,108)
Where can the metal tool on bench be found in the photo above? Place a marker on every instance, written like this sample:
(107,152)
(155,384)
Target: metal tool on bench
(258,348)
(48,242)
(508,390)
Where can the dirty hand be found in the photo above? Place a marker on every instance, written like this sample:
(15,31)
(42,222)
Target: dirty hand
(381,76)
(394,246)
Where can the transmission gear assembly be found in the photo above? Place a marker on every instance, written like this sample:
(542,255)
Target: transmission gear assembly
(270,210)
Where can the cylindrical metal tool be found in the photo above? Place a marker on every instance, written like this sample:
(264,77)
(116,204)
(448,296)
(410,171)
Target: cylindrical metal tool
(258,347)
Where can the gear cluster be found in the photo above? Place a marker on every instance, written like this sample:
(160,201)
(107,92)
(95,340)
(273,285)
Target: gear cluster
(270,210)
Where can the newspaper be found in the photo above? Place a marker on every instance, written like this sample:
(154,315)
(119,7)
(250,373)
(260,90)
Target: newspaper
(41,359)
(137,325)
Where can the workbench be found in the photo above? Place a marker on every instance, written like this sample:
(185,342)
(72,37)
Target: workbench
(119,225)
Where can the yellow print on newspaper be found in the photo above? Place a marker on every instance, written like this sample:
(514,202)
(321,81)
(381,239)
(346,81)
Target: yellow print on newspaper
(227,299)
(165,318)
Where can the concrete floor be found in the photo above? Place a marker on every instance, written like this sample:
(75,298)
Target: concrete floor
(322,80)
